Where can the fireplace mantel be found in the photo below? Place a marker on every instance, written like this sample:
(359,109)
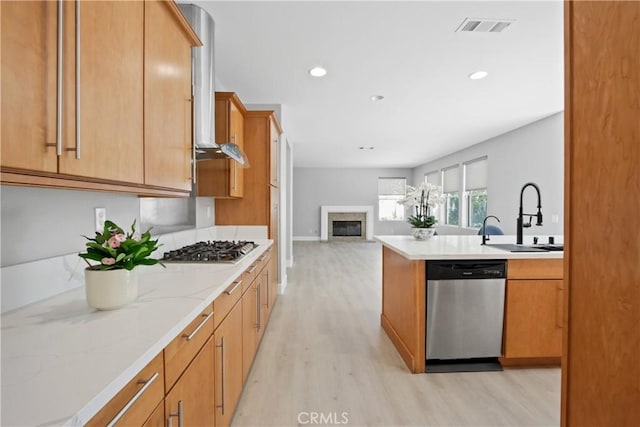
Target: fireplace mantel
(324,219)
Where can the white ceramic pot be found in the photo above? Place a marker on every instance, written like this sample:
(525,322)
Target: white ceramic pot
(423,233)
(110,289)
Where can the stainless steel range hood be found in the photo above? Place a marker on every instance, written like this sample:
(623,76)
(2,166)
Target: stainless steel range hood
(202,80)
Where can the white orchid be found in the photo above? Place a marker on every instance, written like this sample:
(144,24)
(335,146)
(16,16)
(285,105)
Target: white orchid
(423,197)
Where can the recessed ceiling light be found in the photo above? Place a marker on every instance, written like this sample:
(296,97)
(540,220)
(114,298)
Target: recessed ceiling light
(478,75)
(317,71)
(366,148)
(376,98)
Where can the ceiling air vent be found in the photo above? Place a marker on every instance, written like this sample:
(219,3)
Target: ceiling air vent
(473,25)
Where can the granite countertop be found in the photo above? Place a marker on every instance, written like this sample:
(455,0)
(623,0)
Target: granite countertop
(460,247)
(62,361)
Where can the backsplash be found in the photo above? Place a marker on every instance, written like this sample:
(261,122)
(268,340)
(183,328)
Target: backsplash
(29,282)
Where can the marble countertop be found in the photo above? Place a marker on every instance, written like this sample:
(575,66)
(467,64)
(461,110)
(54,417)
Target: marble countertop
(62,361)
(460,247)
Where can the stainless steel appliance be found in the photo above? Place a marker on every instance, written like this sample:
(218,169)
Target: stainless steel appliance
(210,251)
(465,309)
(202,81)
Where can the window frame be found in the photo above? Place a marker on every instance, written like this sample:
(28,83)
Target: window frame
(400,210)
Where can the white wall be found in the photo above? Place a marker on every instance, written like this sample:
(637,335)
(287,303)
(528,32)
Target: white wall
(40,223)
(532,153)
(314,187)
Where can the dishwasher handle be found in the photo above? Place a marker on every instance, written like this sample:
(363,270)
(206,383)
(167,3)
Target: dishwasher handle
(466,269)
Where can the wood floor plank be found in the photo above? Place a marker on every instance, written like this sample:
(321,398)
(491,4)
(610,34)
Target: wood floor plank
(324,351)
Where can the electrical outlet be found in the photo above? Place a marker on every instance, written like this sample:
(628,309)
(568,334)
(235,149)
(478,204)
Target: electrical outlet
(555,218)
(100,217)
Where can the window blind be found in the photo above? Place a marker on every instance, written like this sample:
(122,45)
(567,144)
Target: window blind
(450,179)
(433,177)
(475,174)
(391,186)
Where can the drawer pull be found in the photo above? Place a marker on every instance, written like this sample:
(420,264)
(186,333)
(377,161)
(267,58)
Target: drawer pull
(60,81)
(175,414)
(230,291)
(190,336)
(146,385)
(253,268)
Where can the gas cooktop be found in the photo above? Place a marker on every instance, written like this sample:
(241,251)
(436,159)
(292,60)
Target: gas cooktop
(211,251)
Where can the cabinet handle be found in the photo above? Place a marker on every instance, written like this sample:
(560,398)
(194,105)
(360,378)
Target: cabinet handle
(258,308)
(252,269)
(190,336)
(230,291)
(193,126)
(145,385)
(267,304)
(559,306)
(175,414)
(221,347)
(59,83)
(78,47)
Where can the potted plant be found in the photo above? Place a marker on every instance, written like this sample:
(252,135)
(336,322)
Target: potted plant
(422,199)
(113,282)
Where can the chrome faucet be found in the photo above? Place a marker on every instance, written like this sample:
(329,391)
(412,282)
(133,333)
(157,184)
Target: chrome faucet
(520,223)
(485,236)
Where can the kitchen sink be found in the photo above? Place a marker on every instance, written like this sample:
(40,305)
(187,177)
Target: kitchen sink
(527,248)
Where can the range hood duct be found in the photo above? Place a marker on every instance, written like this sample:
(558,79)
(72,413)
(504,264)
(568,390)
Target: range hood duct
(202,81)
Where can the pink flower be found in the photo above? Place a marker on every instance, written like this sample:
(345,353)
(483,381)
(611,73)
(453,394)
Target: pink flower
(108,261)
(120,237)
(114,242)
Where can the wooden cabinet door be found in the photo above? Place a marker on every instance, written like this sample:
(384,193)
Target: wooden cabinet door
(533,318)
(228,362)
(190,402)
(157,417)
(264,301)
(223,177)
(167,99)
(28,110)
(273,155)
(236,170)
(250,324)
(110,88)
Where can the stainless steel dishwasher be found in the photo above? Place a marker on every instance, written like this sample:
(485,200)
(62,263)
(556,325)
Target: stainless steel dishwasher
(465,310)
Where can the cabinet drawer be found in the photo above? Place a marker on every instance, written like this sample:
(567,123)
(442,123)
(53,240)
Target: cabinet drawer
(227,299)
(182,349)
(250,275)
(535,269)
(136,401)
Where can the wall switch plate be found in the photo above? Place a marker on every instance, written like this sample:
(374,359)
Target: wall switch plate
(100,217)
(555,218)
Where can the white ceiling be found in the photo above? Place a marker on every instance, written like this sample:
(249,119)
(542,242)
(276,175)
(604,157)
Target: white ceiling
(410,53)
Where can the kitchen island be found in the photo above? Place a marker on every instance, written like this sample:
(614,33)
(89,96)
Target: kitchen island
(532,333)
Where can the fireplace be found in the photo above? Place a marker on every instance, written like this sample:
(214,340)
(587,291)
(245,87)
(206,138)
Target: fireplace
(347,229)
(346,223)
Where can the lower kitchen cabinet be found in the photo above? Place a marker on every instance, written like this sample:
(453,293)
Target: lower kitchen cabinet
(157,417)
(136,401)
(533,312)
(228,363)
(190,401)
(533,319)
(250,324)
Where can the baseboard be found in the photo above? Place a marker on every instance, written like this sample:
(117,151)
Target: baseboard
(530,361)
(306,238)
(282,285)
(290,263)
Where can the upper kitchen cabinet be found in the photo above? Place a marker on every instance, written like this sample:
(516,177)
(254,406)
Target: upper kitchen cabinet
(224,178)
(275,132)
(167,97)
(256,207)
(73,83)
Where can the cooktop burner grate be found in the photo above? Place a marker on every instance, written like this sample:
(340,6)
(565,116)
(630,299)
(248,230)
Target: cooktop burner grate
(210,251)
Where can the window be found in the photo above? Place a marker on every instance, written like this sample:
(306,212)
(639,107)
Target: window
(435,178)
(451,193)
(390,192)
(475,190)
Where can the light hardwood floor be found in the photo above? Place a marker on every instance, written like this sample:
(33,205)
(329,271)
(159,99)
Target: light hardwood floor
(325,352)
